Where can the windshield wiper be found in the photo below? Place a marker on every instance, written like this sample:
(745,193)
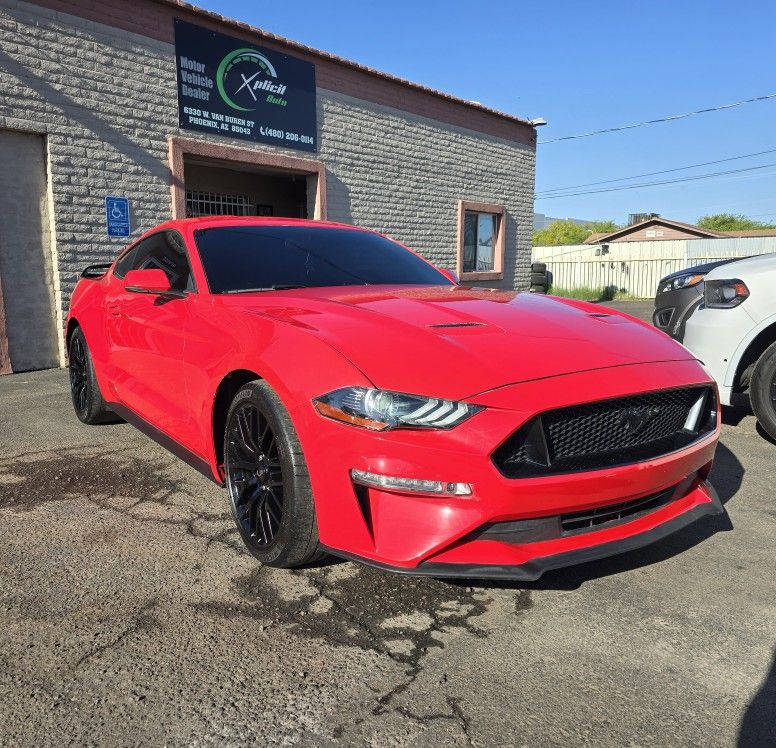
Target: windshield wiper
(265,288)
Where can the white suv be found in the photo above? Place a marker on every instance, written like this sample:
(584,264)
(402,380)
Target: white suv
(734,333)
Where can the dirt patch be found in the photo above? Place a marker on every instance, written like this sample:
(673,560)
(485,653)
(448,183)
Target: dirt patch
(350,605)
(32,481)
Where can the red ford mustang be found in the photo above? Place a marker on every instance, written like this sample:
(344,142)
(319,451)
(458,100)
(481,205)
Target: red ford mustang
(355,400)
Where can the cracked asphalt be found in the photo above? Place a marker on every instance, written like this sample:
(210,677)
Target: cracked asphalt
(130,614)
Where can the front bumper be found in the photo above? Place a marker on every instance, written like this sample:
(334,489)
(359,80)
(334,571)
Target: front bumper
(674,308)
(419,534)
(531,570)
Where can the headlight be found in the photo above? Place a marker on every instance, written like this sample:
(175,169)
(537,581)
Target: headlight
(724,294)
(381,410)
(682,281)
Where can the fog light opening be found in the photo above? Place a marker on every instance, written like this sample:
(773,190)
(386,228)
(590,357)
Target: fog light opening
(413,485)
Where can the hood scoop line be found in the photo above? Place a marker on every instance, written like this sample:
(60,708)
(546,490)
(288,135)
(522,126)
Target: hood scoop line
(458,324)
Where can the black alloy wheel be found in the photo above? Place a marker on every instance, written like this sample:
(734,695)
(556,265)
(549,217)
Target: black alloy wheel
(254,474)
(79,375)
(773,396)
(267,479)
(762,390)
(88,403)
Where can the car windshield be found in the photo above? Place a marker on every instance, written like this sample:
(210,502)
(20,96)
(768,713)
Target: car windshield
(260,258)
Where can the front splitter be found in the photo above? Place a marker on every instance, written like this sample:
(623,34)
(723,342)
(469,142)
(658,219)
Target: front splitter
(532,570)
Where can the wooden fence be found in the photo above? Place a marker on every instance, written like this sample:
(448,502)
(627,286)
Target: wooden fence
(637,267)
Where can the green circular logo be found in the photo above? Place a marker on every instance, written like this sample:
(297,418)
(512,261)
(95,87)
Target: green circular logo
(240,75)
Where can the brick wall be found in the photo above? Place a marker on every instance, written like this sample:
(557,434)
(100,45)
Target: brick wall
(106,99)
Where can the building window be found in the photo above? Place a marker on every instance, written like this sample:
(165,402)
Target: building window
(480,241)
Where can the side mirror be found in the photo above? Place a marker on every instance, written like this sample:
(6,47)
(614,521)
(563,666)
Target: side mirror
(147,281)
(450,275)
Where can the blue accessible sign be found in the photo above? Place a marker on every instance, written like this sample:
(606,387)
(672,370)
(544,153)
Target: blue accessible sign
(117,215)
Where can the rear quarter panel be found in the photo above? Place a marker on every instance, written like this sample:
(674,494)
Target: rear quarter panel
(87,310)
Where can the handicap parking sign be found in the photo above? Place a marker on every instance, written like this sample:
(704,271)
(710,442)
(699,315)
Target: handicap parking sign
(117,215)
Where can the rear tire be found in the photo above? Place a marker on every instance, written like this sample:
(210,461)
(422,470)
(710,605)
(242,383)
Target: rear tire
(267,479)
(88,402)
(762,390)
(538,279)
(538,267)
(538,289)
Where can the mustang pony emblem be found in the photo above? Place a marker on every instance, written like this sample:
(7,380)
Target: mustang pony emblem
(635,419)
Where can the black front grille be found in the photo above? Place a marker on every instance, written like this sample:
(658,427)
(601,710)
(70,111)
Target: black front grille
(536,529)
(607,433)
(595,519)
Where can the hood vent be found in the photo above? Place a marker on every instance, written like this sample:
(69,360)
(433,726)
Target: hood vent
(458,324)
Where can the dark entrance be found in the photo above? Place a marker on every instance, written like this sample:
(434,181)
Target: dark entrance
(230,188)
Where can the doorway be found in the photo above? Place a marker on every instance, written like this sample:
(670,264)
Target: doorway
(216,189)
(28,327)
(213,179)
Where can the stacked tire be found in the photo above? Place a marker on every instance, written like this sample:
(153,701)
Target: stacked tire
(541,278)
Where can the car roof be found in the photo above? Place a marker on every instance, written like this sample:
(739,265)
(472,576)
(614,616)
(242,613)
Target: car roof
(212,221)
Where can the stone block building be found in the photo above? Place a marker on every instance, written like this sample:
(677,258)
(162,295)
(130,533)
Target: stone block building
(114,99)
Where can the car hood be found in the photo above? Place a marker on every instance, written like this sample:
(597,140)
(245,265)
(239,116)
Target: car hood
(697,269)
(749,266)
(458,342)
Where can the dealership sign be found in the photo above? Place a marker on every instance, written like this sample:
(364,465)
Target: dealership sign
(229,87)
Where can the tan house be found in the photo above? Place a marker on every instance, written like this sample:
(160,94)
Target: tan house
(657,229)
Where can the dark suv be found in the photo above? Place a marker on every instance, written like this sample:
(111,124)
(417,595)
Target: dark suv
(679,295)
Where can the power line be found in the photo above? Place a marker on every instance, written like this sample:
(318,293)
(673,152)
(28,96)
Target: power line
(663,182)
(672,118)
(653,173)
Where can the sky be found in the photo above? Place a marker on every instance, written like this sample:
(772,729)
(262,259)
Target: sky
(582,66)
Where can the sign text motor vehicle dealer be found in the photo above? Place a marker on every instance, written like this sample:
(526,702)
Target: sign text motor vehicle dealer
(228,87)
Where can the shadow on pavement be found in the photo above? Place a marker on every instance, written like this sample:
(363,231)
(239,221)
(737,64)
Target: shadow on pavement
(764,434)
(726,478)
(758,726)
(733,414)
(741,408)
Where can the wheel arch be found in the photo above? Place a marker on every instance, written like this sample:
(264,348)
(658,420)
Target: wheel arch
(72,324)
(227,388)
(764,338)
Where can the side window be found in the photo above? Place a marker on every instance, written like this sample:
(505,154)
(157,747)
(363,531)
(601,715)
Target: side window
(125,263)
(165,251)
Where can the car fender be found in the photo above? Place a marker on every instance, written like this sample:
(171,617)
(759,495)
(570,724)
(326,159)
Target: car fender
(743,346)
(310,367)
(332,369)
(87,309)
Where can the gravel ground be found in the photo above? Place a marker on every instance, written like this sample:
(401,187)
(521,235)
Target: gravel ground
(131,615)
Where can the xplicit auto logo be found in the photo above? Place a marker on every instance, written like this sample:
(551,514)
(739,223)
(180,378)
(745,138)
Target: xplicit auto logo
(246,79)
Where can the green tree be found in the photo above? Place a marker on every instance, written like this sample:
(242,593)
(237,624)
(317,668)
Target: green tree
(731,222)
(603,227)
(568,232)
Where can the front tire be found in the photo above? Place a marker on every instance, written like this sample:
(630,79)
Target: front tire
(267,479)
(88,402)
(762,390)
